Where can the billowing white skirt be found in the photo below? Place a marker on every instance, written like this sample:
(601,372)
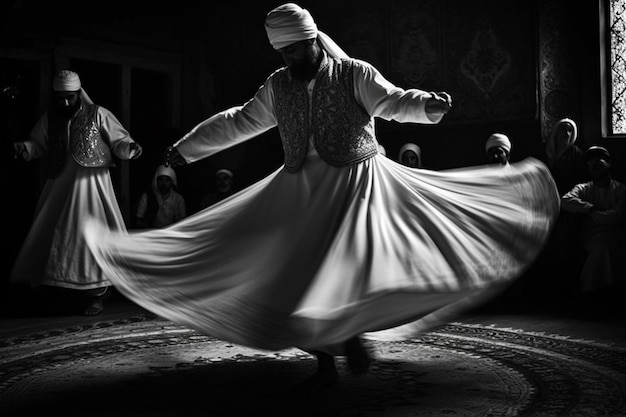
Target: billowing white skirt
(54,252)
(313,258)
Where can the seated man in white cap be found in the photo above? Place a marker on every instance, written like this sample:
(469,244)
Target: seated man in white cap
(224,188)
(161,205)
(498,149)
(79,140)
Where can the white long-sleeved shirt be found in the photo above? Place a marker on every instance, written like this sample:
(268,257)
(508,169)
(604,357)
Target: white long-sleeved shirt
(378,96)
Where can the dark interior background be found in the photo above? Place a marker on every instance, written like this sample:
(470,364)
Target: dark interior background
(512,66)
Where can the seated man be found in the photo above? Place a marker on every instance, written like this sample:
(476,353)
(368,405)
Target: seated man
(224,187)
(498,149)
(410,155)
(602,201)
(160,205)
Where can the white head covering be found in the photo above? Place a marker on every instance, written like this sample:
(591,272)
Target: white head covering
(224,171)
(551,146)
(167,171)
(498,139)
(411,147)
(66,80)
(289,23)
(69,81)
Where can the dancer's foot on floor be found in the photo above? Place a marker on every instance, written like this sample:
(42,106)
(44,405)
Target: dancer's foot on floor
(358,357)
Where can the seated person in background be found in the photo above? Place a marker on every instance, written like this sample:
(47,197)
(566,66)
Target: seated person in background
(410,155)
(160,205)
(602,201)
(565,159)
(498,149)
(224,185)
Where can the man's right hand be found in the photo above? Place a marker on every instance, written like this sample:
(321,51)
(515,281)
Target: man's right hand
(19,148)
(173,158)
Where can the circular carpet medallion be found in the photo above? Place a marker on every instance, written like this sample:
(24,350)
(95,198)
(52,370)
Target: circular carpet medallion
(146,366)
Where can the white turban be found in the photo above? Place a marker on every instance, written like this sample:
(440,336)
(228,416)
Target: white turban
(69,81)
(290,23)
(498,139)
(66,80)
(167,171)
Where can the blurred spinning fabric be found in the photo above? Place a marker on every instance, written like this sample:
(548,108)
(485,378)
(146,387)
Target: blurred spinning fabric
(312,258)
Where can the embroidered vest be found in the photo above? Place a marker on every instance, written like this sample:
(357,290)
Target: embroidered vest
(342,130)
(87,145)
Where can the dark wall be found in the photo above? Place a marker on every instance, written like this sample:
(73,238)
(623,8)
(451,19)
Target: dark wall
(512,66)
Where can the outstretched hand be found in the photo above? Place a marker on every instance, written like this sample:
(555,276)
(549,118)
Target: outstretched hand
(135,150)
(19,148)
(439,103)
(173,158)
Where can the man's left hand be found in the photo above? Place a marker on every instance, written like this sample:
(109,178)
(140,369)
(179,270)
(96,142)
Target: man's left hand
(135,150)
(439,103)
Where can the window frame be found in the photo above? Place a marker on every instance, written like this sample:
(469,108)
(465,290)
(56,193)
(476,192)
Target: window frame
(606,78)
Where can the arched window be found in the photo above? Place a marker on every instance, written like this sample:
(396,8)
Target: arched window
(614,67)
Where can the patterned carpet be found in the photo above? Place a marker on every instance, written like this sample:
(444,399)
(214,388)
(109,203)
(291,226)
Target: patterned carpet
(145,366)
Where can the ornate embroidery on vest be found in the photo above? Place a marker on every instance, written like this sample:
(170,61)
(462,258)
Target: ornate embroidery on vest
(292,116)
(88,147)
(343,131)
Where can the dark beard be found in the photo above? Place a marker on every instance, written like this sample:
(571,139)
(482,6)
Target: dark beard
(66,113)
(307,68)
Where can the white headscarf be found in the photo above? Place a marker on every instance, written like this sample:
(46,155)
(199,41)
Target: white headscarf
(290,23)
(551,146)
(410,147)
(225,172)
(66,80)
(498,139)
(414,148)
(167,171)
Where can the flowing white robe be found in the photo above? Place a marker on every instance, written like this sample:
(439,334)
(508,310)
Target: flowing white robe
(312,258)
(54,252)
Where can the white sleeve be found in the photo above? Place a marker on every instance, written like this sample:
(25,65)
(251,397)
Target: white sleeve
(118,137)
(381,98)
(230,127)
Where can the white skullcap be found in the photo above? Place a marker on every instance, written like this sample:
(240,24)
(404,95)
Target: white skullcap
(498,139)
(225,172)
(288,24)
(167,171)
(410,147)
(66,80)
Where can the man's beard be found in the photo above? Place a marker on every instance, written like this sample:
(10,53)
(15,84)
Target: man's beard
(69,111)
(306,69)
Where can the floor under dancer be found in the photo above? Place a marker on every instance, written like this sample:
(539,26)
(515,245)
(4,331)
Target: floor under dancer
(339,244)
